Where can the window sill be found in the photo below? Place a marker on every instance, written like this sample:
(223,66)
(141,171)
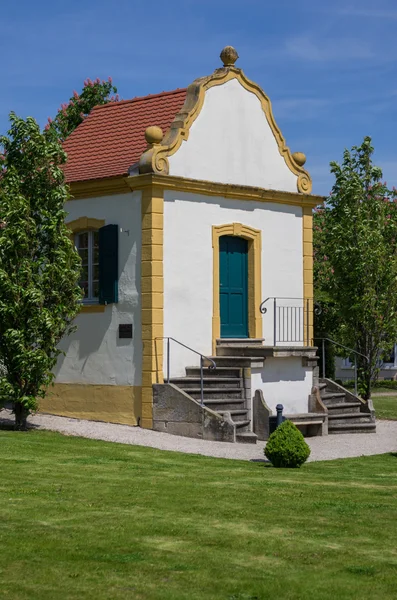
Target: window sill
(92,308)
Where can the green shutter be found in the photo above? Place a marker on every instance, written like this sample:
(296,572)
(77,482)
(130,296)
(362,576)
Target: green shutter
(108,264)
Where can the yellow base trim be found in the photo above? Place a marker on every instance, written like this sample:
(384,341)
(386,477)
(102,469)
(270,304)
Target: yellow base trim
(108,403)
(92,308)
(254,238)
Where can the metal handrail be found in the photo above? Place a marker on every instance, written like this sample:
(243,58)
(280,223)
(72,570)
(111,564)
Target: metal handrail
(305,308)
(202,357)
(323,340)
(263,308)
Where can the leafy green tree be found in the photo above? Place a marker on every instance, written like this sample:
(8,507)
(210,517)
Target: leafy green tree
(327,320)
(72,113)
(39,266)
(356,259)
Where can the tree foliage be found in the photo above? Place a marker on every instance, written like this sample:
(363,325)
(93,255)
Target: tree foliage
(355,241)
(39,266)
(72,113)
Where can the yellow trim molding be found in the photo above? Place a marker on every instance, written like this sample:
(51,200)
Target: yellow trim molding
(226,190)
(98,187)
(155,158)
(209,188)
(84,224)
(307,224)
(254,238)
(109,403)
(152,297)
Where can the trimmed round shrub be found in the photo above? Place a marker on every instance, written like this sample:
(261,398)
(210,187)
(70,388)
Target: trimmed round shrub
(286,447)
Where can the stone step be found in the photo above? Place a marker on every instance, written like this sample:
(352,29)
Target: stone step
(219,392)
(218,372)
(241,424)
(237,361)
(344,407)
(240,341)
(322,386)
(341,418)
(296,417)
(246,350)
(234,413)
(352,428)
(224,404)
(246,437)
(333,397)
(209,382)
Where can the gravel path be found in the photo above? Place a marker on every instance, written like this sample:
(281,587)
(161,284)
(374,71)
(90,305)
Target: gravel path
(322,448)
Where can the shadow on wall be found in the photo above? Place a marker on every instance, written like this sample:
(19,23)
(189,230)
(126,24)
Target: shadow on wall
(87,339)
(283,369)
(226,203)
(94,352)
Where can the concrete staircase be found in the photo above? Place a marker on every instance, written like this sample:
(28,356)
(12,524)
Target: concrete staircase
(227,389)
(346,412)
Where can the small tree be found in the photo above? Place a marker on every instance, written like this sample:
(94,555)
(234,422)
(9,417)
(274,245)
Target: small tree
(356,257)
(326,316)
(72,113)
(39,266)
(286,447)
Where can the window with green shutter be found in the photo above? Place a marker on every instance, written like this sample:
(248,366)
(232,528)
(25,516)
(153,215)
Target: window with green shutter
(87,244)
(108,264)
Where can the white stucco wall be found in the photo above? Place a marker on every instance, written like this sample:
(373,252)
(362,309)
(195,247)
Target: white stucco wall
(188,263)
(284,381)
(94,353)
(231,142)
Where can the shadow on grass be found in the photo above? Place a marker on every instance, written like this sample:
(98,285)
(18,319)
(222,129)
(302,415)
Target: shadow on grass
(266,463)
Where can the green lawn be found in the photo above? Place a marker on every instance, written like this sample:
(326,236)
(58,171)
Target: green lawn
(385,407)
(82,519)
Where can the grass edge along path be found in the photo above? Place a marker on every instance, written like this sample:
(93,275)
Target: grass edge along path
(385,407)
(96,520)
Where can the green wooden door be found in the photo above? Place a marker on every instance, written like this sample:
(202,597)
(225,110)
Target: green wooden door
(233,279)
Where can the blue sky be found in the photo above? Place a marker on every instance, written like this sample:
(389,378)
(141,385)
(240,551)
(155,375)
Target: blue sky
(329,68)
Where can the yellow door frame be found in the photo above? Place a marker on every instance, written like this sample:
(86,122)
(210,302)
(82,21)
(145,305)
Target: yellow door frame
(254,238)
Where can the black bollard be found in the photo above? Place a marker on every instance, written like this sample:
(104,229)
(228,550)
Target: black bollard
(279,419)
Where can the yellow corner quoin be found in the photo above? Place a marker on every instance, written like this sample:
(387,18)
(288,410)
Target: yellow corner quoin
(152,296)
(308,292)
(109,403)
(254,238)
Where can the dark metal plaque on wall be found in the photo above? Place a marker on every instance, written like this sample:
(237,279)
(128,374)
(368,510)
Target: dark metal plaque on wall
(125,330)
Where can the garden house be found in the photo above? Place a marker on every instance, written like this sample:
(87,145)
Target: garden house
(193,220)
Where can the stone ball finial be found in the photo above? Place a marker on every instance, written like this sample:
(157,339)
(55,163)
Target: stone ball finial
(229,56)
(299,158)
(154,135)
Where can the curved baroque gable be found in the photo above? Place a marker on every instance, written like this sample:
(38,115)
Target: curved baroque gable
(155,158)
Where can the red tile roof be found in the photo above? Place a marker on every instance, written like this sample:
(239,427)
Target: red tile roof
(111,138)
